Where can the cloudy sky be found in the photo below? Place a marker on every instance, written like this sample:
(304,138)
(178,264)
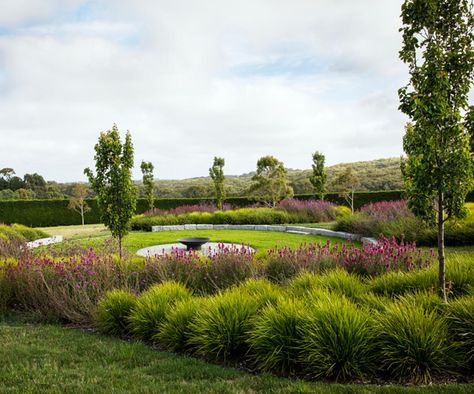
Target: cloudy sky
(194,79)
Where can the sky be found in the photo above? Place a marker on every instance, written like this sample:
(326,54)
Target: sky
(196,79)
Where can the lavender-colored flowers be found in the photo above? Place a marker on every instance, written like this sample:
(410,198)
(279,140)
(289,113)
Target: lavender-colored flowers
(202,207)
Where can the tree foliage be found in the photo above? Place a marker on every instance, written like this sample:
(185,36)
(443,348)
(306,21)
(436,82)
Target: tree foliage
(148,183)
(77,201)
(216,172)
(270,184)
(116,192)
(438,171)
(347,183)
(318,177)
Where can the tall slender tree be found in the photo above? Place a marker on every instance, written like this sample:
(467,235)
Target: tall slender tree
(438,170)
(216,173)
(113,184)
(148,183)
(319,177)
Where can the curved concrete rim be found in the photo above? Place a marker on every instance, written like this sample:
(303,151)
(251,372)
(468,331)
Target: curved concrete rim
(263,227)
(207,249)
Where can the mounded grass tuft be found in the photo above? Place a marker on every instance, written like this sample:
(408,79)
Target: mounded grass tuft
(276,336)
(413,343)
(337,340)
(153,305)
(174,331)
(113,311)
(219,329)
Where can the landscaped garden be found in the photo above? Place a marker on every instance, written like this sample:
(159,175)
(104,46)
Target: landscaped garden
(300,307)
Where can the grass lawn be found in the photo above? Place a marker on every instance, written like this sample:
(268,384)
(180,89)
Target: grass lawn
(53,359)
(94,234)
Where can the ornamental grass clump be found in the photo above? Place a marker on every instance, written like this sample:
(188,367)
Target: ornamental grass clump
(261,289)
(219,330)
(152,307)
(173,332)
(276,335)
(413,344)
(337,340)
(460,317)
(113,311)
(202,207)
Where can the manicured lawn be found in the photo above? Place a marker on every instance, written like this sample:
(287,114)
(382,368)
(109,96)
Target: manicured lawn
(94,234)
(77,232)
(53,359)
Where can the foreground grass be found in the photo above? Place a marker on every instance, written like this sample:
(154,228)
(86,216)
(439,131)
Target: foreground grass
(52,359)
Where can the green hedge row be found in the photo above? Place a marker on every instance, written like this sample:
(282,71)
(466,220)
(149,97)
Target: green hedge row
(43,213)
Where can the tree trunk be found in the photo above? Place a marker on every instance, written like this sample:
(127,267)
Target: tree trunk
(441,259)
(120,247)
(352,201)
(82,214)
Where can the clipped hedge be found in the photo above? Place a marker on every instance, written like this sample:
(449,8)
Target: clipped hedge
(43,213)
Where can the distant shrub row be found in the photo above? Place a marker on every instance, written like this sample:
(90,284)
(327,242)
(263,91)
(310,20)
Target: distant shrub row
(43,213)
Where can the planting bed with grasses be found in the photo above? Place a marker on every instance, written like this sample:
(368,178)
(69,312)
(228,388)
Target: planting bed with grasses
(287,211)
(393,218)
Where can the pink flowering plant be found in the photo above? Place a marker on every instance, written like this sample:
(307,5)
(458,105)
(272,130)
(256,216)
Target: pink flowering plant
(226,266)
(369,260)
(309,211)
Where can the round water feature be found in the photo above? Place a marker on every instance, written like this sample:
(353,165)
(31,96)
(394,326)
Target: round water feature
(193,243)
(209,248)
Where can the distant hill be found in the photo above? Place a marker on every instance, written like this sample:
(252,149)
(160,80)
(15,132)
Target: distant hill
(382,174)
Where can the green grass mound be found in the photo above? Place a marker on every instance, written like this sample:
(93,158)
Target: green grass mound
(113,312)
(413,343)
(337,340)
(152,307)
(174,331)
(219,330)
(276,336)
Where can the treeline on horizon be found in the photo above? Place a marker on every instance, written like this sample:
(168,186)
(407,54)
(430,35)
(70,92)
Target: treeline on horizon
(382,174)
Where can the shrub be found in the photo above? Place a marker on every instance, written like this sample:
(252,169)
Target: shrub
(238,216)
(152,306)
(6,295)
(276,336)
(337,340)
(308,211)
(67,289)
(30,234)
(460,317)
(201,207)
(413,344)
(174,332)
(219,330)
(384,256)
(225,267)
(113,312)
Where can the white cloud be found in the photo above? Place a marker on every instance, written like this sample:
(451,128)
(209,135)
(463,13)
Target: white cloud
(196,79)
